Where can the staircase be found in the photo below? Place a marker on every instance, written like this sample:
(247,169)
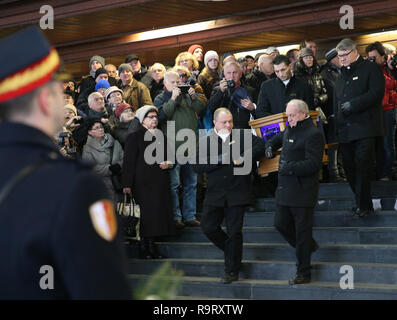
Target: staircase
(368,245)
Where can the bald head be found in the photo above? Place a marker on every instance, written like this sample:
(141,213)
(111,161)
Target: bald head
(223,120)
(297,110)
(265,63)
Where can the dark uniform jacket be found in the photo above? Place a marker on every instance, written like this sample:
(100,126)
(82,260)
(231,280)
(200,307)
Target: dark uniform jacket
(255,80)
(223,185)
(363,85)
(45,221)
(223,99)
(144,76)
(274,96)
(302,152)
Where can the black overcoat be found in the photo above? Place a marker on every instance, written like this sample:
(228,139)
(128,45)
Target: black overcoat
(224,184)
(302,151)
(363,85)
(150,185)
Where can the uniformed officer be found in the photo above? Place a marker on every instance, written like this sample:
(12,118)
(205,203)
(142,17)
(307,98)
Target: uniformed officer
(58,229)
(298,183)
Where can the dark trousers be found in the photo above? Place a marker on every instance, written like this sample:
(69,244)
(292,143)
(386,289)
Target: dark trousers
(296,226)
(358,159)
(232,241)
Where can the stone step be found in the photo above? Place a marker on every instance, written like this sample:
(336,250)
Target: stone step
(330,204)
(339,253)
(346,235)
(276,289)
(329,219)
(380,189)
(374,273)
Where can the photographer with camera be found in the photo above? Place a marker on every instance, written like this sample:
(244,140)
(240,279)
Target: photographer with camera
(182,109)
(233,95)
(385,145)
(64,139)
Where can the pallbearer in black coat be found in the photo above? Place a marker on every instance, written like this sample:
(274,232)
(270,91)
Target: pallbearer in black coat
(227,157)
(148,181)
(358,95)
(298,183)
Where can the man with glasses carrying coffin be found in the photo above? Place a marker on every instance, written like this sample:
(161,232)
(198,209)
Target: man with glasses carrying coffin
(58,229)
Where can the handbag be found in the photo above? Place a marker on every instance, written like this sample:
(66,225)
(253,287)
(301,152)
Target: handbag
(129,212)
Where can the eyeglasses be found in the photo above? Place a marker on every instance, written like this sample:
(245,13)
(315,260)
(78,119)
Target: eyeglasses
(152,117)
(182,75)
(97,128)
(344,55)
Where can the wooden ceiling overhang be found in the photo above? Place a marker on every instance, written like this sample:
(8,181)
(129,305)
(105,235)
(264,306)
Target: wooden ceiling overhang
(111,27)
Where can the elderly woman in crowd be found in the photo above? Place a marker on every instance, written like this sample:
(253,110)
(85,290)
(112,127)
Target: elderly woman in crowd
(125,115)
(186,59)
(157,85)
(148,182)
(105,152)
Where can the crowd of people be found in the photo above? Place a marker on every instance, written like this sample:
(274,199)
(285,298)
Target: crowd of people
(105,123)
(138,128)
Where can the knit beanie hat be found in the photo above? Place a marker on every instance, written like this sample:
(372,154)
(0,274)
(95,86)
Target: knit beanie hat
(143,111)
(210,55)
(71,107)
(102,84)
(111,90)
(100,71)
(100,59)
(123,67)
(331,54)
(305,52)
(120,108)
(194,47)
(270,50)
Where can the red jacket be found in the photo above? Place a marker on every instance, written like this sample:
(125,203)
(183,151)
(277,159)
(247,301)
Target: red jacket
(389,101)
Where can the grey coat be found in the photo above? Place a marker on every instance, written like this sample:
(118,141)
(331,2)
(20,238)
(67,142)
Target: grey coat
(99,154)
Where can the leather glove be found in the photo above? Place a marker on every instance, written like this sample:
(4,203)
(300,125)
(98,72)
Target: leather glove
(346,108)
(269,154)
(115,168)
(284,168)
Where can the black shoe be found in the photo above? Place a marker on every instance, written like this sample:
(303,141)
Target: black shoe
(299,279)
(153,250)
(144,252)
(229,277)
(315,246)
(362,213)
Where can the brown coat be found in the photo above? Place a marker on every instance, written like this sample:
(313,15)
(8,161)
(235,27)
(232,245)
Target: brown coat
(136,94)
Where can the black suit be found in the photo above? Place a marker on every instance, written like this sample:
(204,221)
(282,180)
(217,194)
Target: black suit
(274,96)
(227,192)
(298,184)
(363,85)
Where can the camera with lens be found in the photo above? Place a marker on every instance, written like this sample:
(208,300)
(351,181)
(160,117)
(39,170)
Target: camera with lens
(230,84)
(78,121)
(372,59)
(62,136)
(184,88)
(393,61)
